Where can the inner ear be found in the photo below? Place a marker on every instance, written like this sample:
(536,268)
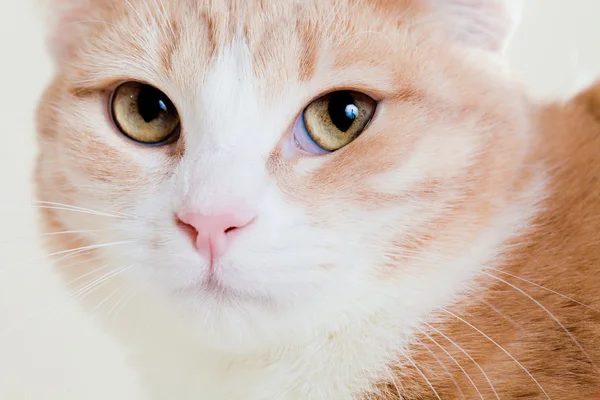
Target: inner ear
(483,24)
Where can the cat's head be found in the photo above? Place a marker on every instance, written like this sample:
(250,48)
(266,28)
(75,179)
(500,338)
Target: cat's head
(283,166)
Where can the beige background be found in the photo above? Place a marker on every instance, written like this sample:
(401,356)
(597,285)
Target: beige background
(49,349)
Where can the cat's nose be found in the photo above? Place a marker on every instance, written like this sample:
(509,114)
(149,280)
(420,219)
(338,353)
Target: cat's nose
(211,231)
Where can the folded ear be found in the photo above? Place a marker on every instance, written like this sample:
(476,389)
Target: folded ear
(68,21)
(485,24)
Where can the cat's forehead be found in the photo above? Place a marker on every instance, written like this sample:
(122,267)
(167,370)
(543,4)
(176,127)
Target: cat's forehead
(285,41)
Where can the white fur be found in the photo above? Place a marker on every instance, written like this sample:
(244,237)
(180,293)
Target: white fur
(312,319)
(321,332)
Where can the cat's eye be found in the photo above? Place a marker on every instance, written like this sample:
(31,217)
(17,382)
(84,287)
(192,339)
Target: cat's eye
(334,120)
(144,114)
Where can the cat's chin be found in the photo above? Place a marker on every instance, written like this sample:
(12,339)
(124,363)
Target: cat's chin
(228,318)
(223,319)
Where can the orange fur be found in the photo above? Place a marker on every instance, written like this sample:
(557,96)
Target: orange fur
(427,92)
(559,253)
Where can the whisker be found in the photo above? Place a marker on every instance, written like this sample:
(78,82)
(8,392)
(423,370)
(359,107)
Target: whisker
(99,214)
(47,234)
(453,359)
(120,304)
(387,369)
(550,314)
(77,263)
(468,356)
(105,300)
(67,207)
(97,282)
(84,292)
(437,359)
(424,377)
(503,315)
(68,252)
(500,347)
(62,266)
(87,274)
(91,247)
(106,210)
(545,288)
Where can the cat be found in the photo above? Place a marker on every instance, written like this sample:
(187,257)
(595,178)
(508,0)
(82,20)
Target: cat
(323,199)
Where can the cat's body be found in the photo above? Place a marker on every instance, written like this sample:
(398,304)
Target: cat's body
(531,307)
(451,250)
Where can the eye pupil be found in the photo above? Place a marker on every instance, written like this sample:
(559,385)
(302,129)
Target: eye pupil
(342,110)
(151,103)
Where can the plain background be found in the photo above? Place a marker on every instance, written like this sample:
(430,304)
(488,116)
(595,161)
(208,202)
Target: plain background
(49,349)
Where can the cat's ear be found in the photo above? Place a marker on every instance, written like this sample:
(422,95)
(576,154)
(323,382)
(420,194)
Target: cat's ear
(484,24)
(67,22)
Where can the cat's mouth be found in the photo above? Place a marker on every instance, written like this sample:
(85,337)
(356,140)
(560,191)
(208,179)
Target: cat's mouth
(213,288)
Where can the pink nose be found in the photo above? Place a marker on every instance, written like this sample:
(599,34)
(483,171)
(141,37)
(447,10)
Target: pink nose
(211,231)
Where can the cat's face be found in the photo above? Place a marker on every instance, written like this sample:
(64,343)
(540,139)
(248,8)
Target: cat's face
(389,222)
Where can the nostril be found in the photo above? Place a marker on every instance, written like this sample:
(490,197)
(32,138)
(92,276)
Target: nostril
(231,228)
(188,229)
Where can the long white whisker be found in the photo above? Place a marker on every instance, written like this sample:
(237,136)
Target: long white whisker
(544,288)
(121,302)
(109,211)
(437,359)
(98,281)
(503,315)
(88,274)
(99,214)
(83,292)
(453,359)
(47,234)
(549,313)
(69,252)
(424,377)
(468,356)
(500,347)
(393,382)
(105,300)
(79,210)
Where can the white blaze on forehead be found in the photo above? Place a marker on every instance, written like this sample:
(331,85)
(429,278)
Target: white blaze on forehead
(228,108)
(231,129)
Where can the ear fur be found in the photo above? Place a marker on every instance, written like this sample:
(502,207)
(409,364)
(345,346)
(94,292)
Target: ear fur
(68,21)
(484,24)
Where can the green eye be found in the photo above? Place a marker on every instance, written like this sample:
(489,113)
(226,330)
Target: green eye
(336,119)
(144,114)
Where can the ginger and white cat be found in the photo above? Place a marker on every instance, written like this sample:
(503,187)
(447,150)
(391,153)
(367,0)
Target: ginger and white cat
(323,199)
